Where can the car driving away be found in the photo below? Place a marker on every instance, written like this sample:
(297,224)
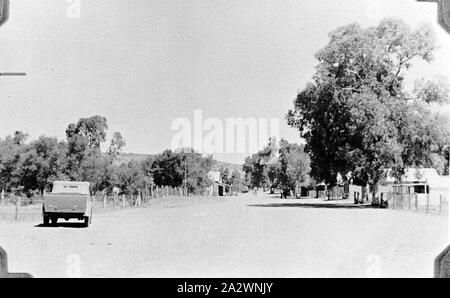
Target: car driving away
(68,200)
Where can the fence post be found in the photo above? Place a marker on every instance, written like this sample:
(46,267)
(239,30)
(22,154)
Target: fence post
(16,216)
(123,201)
(3,197)
(104,201)
(402,198)
(428,202)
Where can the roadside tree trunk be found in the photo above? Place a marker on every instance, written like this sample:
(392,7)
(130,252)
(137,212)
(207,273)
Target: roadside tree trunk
(375,193)
(328,191)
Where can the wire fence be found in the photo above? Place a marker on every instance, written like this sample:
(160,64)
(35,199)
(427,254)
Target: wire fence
(421,203)
(22,208)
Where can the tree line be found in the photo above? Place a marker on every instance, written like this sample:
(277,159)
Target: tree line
(31,166)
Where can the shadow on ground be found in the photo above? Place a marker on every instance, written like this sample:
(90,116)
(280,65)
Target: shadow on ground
(72,225)
(316,205)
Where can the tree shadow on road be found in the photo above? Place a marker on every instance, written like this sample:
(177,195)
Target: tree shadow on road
(72,225)
(316,205)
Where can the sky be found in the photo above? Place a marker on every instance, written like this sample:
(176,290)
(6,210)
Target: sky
(142,64)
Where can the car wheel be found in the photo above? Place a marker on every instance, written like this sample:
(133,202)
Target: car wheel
(46,220)
(86,221)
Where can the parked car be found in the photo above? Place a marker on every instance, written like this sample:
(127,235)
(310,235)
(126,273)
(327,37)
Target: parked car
(68,200)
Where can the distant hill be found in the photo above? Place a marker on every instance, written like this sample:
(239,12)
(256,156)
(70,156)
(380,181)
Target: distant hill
(127,157)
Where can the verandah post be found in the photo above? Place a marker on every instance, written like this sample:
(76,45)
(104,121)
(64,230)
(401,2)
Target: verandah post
(409,198)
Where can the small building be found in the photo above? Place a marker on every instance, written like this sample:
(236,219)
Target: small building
(218,188)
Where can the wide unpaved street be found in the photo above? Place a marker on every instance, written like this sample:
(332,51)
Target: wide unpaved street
(230,237)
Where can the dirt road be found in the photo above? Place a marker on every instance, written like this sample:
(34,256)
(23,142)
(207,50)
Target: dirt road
(249,237)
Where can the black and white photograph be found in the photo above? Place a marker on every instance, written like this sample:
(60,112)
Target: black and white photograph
(224,139)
